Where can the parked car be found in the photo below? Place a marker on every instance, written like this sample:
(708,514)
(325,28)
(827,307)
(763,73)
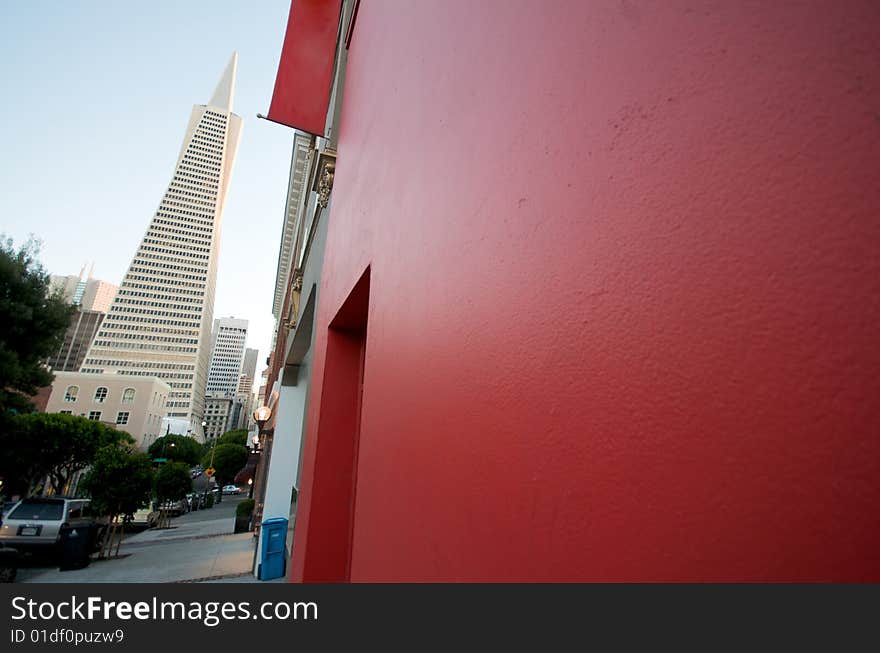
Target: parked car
(231,489)
(36,522)
(9,558)
(196,500)
(145,517)
(176,508)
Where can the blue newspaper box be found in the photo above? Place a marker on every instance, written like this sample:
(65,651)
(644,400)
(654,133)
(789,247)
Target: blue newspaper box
(273,550)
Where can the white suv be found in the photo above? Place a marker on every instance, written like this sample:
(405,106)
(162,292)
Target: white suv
(36,522)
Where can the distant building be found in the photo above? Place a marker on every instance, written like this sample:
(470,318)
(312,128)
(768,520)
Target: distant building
(135,405)
(243,404)
(98,295)
(218,409)
(227,355)
(85,292)
(78,338)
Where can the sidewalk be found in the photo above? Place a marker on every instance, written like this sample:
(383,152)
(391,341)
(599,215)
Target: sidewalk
(204,551)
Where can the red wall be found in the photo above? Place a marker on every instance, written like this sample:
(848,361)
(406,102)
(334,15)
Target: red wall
(624,291)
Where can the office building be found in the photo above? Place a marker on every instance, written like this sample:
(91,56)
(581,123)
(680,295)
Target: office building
(160,322)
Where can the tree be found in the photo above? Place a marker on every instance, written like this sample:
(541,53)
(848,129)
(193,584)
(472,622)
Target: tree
(32,326)
(172,483)
(236,436)
(119,482)
(178,448)
(228,459)
(37,445)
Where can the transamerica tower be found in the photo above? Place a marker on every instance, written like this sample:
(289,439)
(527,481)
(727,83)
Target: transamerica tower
(160,322)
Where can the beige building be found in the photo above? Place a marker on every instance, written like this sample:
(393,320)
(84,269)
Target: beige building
(135,405)
(98,295)
(218,408)
(87,293)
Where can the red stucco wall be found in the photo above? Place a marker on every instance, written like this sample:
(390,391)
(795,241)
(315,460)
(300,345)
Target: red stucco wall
(624,291)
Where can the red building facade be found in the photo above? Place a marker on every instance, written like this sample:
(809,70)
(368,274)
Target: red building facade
(600,296)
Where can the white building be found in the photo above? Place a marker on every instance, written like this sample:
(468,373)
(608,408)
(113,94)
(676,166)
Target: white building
(227,355)
(160,322)
(135,405)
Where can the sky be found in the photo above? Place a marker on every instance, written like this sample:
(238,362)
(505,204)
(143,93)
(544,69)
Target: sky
(94,101)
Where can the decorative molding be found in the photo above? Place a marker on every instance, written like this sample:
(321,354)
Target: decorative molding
(325,182)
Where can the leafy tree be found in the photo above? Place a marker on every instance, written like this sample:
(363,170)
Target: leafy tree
(37,445)
(227,460)
(32,326)
(172,483)
(177,448)
(119,482)
(236,436)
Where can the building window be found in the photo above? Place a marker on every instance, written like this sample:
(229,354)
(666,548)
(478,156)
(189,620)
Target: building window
(128,396)
(122,417)
(95,415)
(101,395)
(66,412)
(71,393)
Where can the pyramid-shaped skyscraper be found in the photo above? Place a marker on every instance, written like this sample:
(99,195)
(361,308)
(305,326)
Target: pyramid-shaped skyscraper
(160,322)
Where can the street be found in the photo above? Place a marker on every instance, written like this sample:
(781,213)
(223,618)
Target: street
(198,547)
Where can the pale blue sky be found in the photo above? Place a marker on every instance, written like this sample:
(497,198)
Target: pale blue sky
(94,101)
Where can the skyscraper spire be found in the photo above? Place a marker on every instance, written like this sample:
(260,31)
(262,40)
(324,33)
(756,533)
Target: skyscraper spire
(225,91)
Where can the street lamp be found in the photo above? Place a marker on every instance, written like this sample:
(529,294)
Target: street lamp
(262,415)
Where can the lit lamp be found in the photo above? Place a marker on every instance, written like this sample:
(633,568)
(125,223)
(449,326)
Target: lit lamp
(250,488)
(262,415)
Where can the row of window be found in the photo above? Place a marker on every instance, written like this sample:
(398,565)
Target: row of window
(184,256)
(151,320)
(175,263)
(181,191)
(144,364)
(161,278)
(141,336)
(144,347)
(110,325)
(95,416)
(210,141)
(205,153)
(178,303)
(182,228)
(179,236)
(144,311)
(166,295)
(172,271)
(189,165)
(101,394)
(193,246)
(199,204)
(204,133)
(211,126)
(212,161)
(193,277)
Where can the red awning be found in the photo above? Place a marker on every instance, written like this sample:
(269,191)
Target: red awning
(305,72)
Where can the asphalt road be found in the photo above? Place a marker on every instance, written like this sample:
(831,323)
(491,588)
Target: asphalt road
(225,508)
